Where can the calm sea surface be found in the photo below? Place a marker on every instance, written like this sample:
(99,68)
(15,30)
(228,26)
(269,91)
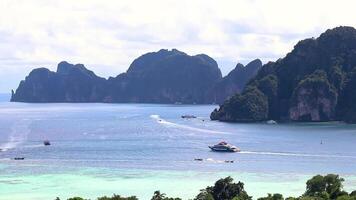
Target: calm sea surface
(134,149)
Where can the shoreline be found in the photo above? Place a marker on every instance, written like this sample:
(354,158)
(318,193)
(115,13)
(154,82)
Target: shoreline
(90,183)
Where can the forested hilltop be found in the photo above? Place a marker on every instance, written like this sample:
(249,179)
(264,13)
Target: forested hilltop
(316,81)
(165,76)
(329,187)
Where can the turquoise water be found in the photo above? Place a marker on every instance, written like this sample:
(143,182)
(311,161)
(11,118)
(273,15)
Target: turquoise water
(134,149)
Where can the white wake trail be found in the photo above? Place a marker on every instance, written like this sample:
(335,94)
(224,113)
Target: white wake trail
(171,124)
(18,135)
(295,154)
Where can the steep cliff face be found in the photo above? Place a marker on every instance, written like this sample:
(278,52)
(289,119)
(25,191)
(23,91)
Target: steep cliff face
(158,77)
(312,83)
(37,87)
(71,83)
(166,77)
(234,82)
(314,99)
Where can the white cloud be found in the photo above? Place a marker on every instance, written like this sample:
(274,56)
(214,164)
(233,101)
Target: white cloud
(107,35)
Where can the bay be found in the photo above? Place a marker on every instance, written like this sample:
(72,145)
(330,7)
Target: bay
(134,149)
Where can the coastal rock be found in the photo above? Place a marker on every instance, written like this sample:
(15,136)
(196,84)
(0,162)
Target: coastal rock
(71,83)
(314,99)
(346,105)
(158,77)
(314,82)
(166,77)
(234,82)
(249,106)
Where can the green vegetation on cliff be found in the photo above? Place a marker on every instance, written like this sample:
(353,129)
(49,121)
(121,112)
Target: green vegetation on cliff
(314,82)
(253,107)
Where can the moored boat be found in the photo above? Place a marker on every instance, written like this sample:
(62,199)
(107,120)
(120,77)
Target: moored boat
(46,143)
(188,116)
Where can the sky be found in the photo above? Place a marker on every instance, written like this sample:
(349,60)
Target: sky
(107,35)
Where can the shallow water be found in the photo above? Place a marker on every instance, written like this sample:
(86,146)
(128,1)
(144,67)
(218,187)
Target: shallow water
(100,149)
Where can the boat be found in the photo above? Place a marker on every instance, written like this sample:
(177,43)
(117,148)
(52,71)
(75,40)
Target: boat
(46,143)
(188,116)
(271,122)
(224,147)
(19,158)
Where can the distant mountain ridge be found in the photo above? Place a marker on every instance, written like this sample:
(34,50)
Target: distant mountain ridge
(234,82)
(157,77)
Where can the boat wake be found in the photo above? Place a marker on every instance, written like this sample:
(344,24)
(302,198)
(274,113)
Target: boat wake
(171,124)
(295,154)
(34,146)
(18,135)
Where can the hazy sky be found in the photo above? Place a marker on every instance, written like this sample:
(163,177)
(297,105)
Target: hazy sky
(107,35)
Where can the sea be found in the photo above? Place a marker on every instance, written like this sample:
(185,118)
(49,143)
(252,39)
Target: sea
(135,149)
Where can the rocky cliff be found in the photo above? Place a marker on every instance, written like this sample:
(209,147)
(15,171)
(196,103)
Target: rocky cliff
(234,82)
(70,83)
(157,77)
(314,82)
(166,77)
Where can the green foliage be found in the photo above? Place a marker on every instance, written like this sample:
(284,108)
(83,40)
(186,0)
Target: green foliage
(325,62)
(157,195)
(251,105)
(346,105)
(117,197)
(336,77)
(346,197)
(316,93)
(326,187)
(291,198)
(268,85)
(319,187)
(353,193)
(204,195)
(226,189)
(316,79)
(272,197)
(76,198)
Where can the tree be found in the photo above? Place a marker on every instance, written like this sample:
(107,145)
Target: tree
(204,195)
(157,195)
(346,197)
(117,197)
(225,189)
(329,186)
(276,196)
(353,193)
(76,198)
(333,185)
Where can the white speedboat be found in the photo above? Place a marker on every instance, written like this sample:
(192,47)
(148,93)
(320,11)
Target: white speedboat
(224,147)
(271,122)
